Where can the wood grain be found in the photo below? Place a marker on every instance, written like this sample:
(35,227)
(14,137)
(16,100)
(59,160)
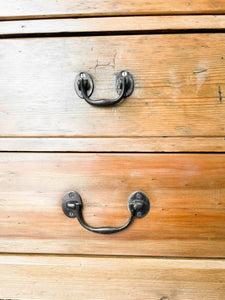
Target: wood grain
(186,192)
(67,277)
(179,86)
(112,24)
(12,9)
(151,144)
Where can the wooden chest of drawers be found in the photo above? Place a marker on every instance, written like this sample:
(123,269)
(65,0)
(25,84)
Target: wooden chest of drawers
(167,139)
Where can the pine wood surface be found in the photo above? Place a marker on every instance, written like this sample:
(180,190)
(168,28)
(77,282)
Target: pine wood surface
(113,24)
(186,193)
(177,106)
(13,9)
(67,277)
(179,86)
(151,144)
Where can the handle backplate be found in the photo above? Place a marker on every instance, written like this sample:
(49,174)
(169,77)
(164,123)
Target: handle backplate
(137,202)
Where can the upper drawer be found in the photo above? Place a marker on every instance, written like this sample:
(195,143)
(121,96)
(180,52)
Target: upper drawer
(186,193)
(52,8)
(179,86)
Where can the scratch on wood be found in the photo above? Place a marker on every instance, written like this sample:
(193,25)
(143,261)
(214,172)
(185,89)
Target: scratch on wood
(214,4)
(199,71)
(220,94)
(97,65)
(114,59)
(183,129)
(109,64)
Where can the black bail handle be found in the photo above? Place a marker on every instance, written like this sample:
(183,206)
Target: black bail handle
(84,87)
(138,205)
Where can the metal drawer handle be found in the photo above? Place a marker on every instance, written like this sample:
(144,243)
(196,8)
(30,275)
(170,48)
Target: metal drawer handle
(138,204)
(84,87)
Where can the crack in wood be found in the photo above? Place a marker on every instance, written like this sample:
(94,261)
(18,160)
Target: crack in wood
(220,94)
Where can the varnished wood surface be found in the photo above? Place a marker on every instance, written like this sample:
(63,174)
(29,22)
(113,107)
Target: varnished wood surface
(67,277)
(12,9)
(179,86)
(154,144)
(186,193)
(112,24)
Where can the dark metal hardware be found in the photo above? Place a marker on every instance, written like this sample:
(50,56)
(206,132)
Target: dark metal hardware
(138,205)
(84,87)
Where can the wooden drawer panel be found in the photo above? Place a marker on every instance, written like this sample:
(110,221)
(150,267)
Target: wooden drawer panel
(52,8)
(66,277)
(179,86)
(150,144)
(186,192)
(111,24)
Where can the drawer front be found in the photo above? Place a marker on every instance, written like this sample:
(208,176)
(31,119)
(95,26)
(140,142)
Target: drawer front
(66,277)
(179,86)
(24,8)
(186,193)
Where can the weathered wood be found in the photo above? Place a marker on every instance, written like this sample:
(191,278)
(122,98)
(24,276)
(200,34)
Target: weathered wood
(154,144)
(48,9)
(68,277)
(112,24)
(179,86)
(186,192)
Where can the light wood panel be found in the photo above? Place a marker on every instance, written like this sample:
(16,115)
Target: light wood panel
(179,86)
(186,192)
(68,277)
(52,8)
(112,24)
(157,144)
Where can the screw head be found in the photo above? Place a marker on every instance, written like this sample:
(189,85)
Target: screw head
(82,75)
(138,195)
(71,214)
(124,73)
(71,194)
(139,214)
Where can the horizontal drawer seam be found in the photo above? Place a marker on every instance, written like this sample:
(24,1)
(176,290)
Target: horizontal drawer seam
(109,33)
(171,258)
(116,15)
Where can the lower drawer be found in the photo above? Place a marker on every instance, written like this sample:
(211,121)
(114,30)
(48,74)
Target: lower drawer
(67,277)
(186,192)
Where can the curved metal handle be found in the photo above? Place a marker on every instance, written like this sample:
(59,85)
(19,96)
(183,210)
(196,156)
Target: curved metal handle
(84,87)
(138,204)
